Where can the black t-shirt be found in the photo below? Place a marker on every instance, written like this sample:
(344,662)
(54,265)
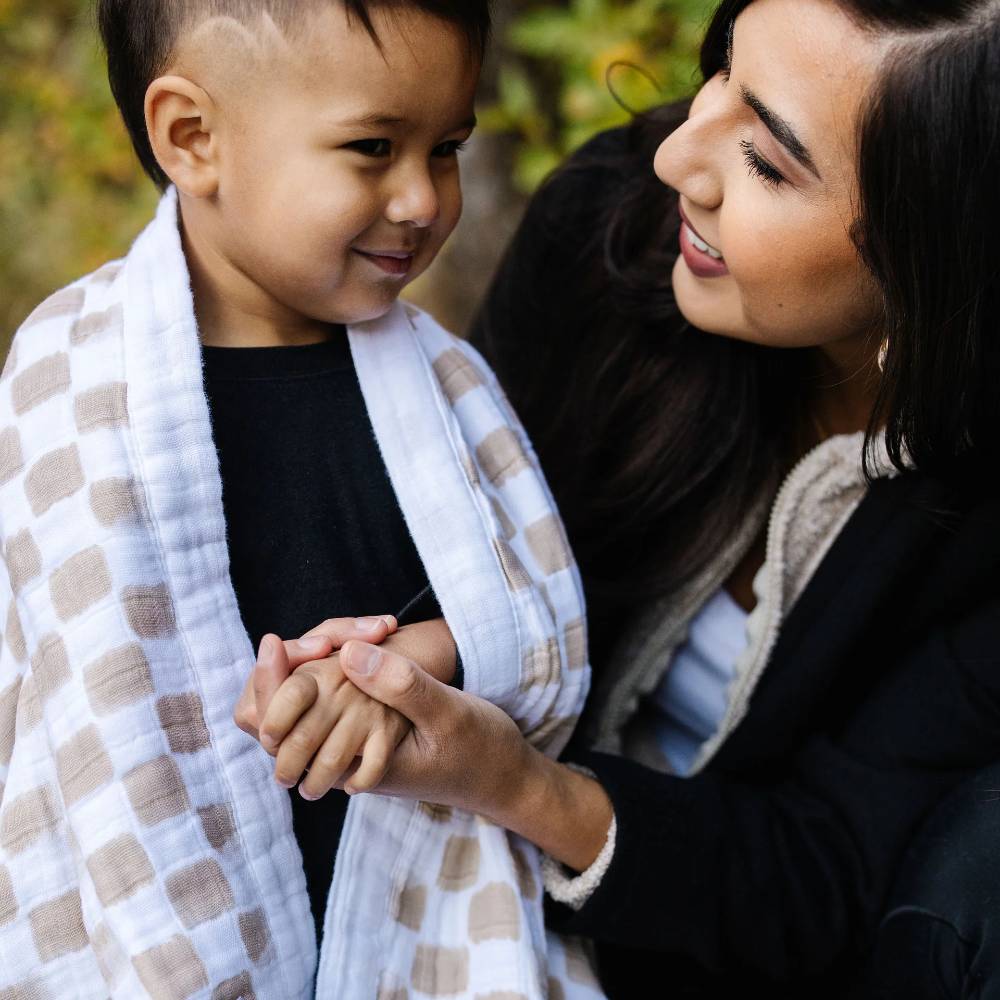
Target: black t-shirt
(314,527)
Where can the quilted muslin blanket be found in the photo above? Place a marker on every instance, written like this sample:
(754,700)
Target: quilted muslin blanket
(145,849)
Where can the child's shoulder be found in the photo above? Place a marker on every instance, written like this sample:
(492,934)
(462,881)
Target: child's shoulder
(464,376)
(61,349)
(62,401)
(458,365)
(66,319)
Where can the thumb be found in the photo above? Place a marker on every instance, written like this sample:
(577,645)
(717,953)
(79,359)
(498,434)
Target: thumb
(395,681)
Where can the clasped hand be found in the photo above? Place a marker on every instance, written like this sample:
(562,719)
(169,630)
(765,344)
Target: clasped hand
(304,711)
(362,705)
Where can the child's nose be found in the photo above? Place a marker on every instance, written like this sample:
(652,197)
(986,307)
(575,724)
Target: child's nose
(414,200)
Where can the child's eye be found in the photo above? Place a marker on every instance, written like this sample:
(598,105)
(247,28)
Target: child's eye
(451,148)
(759,167)
(371,147)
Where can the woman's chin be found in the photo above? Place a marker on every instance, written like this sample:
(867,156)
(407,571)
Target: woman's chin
(707,304)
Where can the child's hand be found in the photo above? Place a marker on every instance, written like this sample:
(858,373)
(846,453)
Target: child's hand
(318,643)
(318,719)
(321,723)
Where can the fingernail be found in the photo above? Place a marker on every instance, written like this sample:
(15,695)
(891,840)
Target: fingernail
(313,643)
(266,652)
(364,659)
(307,796)
(285,783)
(267,742)
(368,624)
(390,621)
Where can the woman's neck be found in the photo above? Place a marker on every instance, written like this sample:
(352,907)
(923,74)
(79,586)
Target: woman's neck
(844,388)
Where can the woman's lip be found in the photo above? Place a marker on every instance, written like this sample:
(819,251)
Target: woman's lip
(700,264)
(687,221)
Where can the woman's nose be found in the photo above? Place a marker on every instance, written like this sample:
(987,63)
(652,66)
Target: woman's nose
(689,160)
(414,199)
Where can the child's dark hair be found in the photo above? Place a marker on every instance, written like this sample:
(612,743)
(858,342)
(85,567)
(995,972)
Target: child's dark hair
(140,36)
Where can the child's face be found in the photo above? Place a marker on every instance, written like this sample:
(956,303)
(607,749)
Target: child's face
(338,177)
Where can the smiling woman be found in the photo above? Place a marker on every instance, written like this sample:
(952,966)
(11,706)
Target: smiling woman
(766,169)
(808,274)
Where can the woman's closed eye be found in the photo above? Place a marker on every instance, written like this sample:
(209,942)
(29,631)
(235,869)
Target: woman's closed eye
(759,167)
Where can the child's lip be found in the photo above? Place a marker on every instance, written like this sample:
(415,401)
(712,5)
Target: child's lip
(394,262)
(395,254)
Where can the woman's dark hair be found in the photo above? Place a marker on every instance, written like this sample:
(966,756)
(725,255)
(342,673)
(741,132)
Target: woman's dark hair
(141,35)
(659,439)
(929,212)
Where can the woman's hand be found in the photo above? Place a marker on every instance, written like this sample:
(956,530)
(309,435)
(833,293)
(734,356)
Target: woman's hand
(465,752)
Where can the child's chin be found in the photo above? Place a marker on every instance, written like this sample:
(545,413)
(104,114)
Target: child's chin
(375,311)
(359,312)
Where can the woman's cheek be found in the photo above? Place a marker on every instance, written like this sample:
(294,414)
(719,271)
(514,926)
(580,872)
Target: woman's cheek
(774,295)
(752,250)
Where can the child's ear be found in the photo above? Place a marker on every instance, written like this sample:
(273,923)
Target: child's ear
(180,118)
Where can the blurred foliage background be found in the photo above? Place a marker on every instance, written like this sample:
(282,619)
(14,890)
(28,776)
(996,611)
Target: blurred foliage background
(72,195)
(567,71)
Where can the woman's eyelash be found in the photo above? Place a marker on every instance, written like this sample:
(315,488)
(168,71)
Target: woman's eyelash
(759,166)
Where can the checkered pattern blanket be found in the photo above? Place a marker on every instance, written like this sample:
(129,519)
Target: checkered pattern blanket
(145,849)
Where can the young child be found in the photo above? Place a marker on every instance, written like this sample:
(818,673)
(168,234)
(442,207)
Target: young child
(238,430)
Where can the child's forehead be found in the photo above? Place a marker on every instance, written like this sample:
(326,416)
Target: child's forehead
(327,55)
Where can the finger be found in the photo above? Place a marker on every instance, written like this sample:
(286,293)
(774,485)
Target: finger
(333,759)
(297,695)
(301,747)
(348,774)
(372,628)
(374,762)
(245,713)
(269,674)
(320,642)
(307,649)
(397,682)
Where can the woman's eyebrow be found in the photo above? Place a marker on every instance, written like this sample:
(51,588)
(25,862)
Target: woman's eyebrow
(780,129)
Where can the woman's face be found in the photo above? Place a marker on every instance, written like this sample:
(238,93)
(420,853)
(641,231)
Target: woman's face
(766,171)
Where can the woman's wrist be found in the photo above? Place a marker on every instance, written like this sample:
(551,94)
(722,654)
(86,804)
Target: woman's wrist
(430,645)
(564,813)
